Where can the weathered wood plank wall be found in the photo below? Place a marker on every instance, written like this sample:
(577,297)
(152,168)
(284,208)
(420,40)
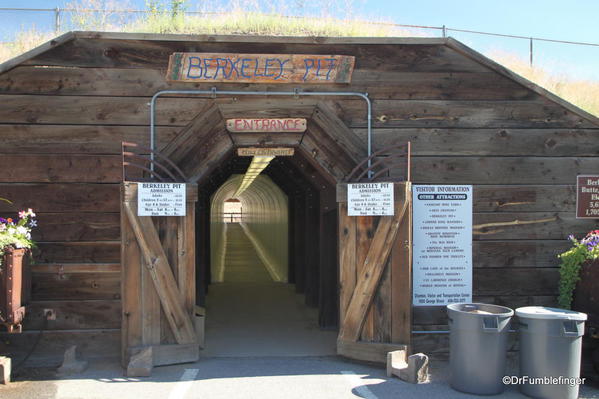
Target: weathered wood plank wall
(61,125)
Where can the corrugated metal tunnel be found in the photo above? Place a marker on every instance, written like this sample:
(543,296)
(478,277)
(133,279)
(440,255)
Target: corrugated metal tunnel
(262,223)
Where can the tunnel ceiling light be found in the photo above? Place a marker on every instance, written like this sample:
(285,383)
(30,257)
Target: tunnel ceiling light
(259,163)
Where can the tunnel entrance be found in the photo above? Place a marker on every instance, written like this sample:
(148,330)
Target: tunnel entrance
(267,275)
(359,297)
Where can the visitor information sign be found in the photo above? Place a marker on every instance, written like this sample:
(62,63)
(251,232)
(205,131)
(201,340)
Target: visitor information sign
(161,199)
(370,199)
(442,240)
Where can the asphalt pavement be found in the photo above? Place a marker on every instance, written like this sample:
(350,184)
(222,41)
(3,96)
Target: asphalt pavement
(244,377)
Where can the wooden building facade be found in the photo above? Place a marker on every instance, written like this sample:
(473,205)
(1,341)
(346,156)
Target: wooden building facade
(67,105)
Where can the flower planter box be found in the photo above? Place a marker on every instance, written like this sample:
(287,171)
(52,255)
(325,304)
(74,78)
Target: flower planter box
(14,281)
(586,294)
(586,300)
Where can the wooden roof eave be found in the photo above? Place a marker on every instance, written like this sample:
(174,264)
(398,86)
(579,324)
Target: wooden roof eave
(489,63)
(26,56)
(257,39)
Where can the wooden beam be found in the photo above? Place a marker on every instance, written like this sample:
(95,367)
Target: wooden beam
(367,351)
(255,39)
(347,255)
(336,130)
(401,277)
(193,132)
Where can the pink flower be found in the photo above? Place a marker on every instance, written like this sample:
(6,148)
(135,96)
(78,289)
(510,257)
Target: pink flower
(22,215)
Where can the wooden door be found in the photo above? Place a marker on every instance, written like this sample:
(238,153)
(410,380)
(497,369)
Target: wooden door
(375,262)
(160,316)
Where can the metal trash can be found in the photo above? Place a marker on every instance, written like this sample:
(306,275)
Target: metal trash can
(478,347)
(550,351)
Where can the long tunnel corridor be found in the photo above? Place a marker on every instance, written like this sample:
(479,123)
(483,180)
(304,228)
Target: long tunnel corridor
(264,280)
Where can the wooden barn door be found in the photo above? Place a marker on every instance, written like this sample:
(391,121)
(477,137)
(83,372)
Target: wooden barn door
(375,260)
(160,320)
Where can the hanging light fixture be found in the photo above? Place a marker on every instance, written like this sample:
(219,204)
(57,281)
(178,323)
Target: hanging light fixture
(259,163)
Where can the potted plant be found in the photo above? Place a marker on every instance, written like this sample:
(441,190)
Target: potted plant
(579,286)
(15,242)
(579,267)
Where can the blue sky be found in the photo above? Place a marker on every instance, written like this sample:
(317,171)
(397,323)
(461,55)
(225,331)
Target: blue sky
(573,20)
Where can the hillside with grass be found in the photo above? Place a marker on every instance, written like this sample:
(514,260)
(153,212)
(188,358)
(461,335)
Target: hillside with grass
(245,17)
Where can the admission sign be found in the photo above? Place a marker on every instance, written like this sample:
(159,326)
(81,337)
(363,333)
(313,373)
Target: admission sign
(259,68)
(370,199)
(161,199)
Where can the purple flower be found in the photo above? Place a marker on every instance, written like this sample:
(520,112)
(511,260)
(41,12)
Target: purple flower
(2,220)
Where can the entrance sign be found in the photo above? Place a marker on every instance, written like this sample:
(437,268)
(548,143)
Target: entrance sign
(260,68)
(283,125)
(442,265)
(370,199)
(587,197)
(265,152)
(161,199)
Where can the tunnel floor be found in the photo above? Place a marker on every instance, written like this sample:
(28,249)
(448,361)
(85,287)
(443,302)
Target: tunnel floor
(242,264)
(251,315)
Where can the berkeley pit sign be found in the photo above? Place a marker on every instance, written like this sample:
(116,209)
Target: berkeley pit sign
(260,68)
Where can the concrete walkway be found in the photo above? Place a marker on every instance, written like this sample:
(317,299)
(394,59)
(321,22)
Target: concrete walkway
(248,377)
(251,315)
(263,319)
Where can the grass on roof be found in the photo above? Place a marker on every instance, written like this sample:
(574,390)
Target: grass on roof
(236,20)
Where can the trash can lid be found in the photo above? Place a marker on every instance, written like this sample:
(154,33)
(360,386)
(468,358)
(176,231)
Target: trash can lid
(543,312)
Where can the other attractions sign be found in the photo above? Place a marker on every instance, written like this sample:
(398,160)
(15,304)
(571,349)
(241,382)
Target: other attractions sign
(260,68)
(442,244)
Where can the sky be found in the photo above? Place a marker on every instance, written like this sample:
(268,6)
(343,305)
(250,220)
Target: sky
(571,20)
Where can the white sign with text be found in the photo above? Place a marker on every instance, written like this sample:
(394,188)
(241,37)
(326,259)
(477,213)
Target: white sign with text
(370,199)
(161,199)
(442,245)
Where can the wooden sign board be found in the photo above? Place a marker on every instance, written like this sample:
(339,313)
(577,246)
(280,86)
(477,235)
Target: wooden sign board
(265,152)
(587,197)
(283,125)
(259,68)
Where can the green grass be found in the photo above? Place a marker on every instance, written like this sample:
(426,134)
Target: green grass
(237,20)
